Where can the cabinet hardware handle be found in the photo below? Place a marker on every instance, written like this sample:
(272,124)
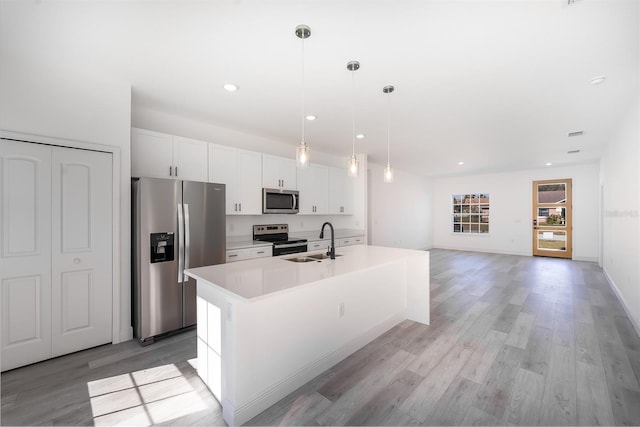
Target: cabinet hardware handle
(240,206)
(176,171)
(261,252)
(170,171)
(232,255)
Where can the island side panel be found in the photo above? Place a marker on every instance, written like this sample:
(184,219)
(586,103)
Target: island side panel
(418,289)
(285,341)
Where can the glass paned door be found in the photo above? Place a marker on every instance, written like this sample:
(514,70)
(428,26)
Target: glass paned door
(552,218)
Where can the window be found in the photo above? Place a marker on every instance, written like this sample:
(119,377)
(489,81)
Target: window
(470,213)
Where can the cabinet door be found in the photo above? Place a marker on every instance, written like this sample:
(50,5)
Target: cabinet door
(340,192)
(190,159)
(222,169)
(25,256)
(151,154)
(81,213)
(248,180)
(278,172)
(313,186)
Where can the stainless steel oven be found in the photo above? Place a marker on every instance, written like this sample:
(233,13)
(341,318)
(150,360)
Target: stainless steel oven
(276,201)
(278,234)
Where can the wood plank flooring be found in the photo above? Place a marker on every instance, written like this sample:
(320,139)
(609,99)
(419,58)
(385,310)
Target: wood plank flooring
(513,341)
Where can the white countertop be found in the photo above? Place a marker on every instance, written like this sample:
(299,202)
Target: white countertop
(258,278)
(244,242)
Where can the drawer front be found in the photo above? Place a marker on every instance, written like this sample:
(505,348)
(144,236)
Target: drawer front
(251,253)
(314,246)
(347,241)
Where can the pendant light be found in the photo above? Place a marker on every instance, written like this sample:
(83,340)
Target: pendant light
(388,171)
(302,152)
(353,66)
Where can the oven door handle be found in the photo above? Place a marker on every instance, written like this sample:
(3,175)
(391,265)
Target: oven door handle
(289,245)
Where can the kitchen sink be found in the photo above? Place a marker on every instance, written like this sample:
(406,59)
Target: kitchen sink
(302,259)
(321,256)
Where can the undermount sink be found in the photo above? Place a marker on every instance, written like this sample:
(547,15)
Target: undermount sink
(301,259)
(321,256)
(309,258)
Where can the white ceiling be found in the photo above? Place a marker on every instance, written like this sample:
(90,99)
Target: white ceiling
(496,84)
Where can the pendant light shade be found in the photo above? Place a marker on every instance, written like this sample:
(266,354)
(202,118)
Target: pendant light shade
(353,66)
(303,152)
(388,171)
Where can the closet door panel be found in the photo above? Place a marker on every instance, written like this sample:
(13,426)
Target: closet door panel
(25,253)
(82,252)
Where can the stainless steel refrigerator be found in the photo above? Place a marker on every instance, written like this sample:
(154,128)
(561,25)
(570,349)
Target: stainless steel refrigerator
(175,225)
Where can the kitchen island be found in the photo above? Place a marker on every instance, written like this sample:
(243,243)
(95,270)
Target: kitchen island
(269,325)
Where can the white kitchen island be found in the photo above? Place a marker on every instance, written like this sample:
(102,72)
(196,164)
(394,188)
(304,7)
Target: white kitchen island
(267,326)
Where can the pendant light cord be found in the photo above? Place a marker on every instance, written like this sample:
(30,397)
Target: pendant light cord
(303,86)
(388,127)
(353,110)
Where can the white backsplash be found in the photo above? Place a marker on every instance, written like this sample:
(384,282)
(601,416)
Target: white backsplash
(241,225)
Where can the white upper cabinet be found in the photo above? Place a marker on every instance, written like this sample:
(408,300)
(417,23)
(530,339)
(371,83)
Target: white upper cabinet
(241,172)
(341,192)
(190,159)
(313,184)
(159,155)
(278,172)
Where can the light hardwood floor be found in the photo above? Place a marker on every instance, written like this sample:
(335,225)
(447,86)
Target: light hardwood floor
(513,340)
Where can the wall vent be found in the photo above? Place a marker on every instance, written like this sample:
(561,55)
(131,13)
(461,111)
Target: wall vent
(577,133)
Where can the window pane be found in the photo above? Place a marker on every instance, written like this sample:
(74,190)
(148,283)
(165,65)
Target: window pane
(552,193)
(552,240)
(552,216)
(457,199)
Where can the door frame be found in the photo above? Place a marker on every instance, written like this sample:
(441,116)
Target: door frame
(568,253)
(115,214)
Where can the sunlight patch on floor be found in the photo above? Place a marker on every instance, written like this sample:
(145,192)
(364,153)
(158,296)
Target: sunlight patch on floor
(145,397)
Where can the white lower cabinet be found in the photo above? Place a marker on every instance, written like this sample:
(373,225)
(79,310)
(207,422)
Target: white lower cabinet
(347,241)
(343,241)
(248,253)
(56,255)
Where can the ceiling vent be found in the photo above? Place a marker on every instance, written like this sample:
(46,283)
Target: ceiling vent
(573,151)
(577,133)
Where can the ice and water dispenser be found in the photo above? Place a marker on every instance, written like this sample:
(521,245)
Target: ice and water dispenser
(161,247)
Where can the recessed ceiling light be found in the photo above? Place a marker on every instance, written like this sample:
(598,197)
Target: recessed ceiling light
(548,164)
(460,163)
(230,87)
(598,80)
(360,136)
(310,117)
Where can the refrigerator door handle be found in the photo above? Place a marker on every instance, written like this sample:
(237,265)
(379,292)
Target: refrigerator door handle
(187,239)
(180,244)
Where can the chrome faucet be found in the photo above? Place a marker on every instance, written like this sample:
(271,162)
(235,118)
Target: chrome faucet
(332,249)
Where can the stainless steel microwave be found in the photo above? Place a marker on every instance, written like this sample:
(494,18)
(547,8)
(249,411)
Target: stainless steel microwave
(276,201)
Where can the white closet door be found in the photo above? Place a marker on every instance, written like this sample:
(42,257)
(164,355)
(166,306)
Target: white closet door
(25,257)
(82,253)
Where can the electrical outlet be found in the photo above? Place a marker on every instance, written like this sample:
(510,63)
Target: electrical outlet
(341,310)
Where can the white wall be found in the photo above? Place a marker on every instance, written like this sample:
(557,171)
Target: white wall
(48,100)
(399,212)
(620,181)
(510,223)
(241,225)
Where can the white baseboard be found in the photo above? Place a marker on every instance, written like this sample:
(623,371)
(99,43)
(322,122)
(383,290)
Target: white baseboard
(246,412)
(486,251)
(585,259)
(616,291)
